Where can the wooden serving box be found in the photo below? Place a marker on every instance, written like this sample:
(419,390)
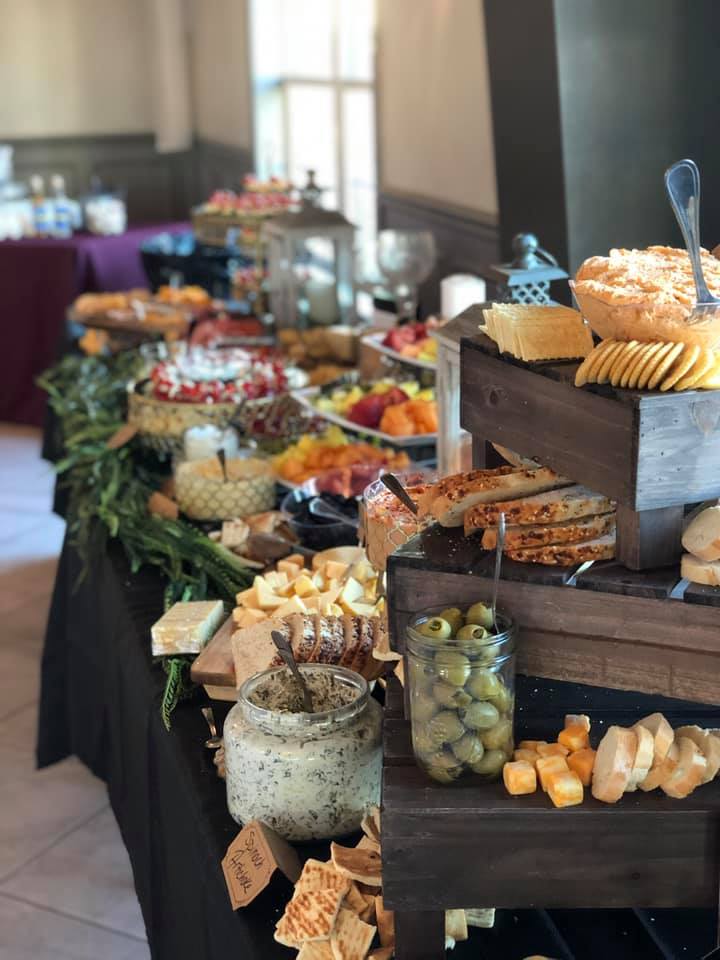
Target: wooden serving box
(652,452)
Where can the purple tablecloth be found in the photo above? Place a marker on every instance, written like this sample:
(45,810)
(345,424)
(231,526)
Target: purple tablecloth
(38,280)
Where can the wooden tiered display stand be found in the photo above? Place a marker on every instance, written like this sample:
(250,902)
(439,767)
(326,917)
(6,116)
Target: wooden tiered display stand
(626,625)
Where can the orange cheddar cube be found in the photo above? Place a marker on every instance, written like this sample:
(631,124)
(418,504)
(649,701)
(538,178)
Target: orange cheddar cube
(577,719)
(565,789)
(529,755)
(552,750)
(519,778)
(531,744)
(574,737)
(547,766)
(582,762)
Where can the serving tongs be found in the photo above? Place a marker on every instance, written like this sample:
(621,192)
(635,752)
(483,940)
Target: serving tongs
(682,183)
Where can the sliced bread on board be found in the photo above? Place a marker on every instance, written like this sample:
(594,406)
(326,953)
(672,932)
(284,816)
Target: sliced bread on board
(702,535)
(706,572)
(614,764)
(519,537)
(689,772)
(567,554)
(708,744)
(554,506)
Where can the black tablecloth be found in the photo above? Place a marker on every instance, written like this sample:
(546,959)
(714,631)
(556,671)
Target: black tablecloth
(100,700)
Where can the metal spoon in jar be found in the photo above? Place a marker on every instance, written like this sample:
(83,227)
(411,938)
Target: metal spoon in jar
(396,488)
(285,651)
(215,741)
(223,463)
(499,547)
(325,511)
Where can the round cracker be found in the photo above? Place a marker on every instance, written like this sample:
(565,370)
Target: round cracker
(603,372)
(623,362)
(589,365)
(705,362)
(711,380)
(685,362)
(665,365)
(652,365)
(630,377)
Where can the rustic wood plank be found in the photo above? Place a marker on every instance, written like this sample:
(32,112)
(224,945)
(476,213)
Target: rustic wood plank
(420,935)
(612,577)
(394,703)
(700,593)
(649,538)
(397,743)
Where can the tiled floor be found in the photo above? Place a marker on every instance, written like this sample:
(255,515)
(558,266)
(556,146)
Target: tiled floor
(66,888)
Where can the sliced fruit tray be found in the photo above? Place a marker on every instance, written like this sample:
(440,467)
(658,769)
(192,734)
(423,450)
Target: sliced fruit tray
(375,341)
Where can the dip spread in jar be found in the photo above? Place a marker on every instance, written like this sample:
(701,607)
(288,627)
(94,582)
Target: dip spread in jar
(309,776)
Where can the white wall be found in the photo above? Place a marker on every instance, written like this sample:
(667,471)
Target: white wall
(74,67)
(434,102)
(222,95)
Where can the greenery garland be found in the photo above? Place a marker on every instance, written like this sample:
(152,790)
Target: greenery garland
(108,489)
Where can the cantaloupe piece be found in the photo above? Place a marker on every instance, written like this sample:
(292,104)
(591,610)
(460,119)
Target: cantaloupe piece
(565,788)
(248,598)
(613,764)
(529,755)
(552,750)
(297,558)
(577,720)
(582,762)
(708,744)
(661,770)
(547,766)
(291,569)
(575,737)
(519,778)
(688,773)
(531,744)
(661,731)
(644,757)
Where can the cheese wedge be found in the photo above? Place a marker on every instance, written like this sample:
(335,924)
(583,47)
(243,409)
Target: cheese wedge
(706,572)
(614,764)
(708,744)
(644,757)
(662,733)
(689,772)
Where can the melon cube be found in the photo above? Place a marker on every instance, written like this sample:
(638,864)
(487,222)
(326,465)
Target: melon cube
(574,738)
(552,750)
(519,778)
(565,789)
(547,766)
(582,762)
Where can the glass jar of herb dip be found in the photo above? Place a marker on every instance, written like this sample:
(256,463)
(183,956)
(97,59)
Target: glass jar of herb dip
(309,776)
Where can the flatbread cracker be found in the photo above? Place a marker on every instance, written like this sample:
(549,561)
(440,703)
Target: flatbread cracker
(633,370)
(316,950)
(686,361)
(603,371)
(705,363)
(309,916)
(354,900)
(385,923)
(623,361)
(665,365)
(651,365)
(351,938)
(317,875)
(587,368)
(358,863)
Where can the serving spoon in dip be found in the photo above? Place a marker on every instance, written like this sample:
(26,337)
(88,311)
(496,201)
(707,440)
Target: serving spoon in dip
(285,651)
(396,488)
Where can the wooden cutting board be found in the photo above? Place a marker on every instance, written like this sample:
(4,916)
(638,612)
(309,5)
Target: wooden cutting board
(214,667)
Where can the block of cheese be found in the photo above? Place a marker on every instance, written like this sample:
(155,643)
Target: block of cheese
(531,744)
(706,572)
(552,750)
(565,788)
(613,764)
(644,757)
(582,762)
(702,536)
(547,766)
(689,772)
(577,719)
(186,627)
(519,778)
(536,332)
(530,755)
(574,737)
(662,733)
(708,744)
(661,770)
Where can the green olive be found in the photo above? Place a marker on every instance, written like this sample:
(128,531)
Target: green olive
(480,613)
(471,632)
(448,696)
(490,764)
(454,616)
(498,737)
(483,684)
(468,749)
(480,715)
(422,742)
(445,727)
(442,767)
(422,708)
(453,667)
(435,629)
(503,700)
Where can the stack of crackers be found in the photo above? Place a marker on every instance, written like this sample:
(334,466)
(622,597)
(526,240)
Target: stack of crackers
(636,365)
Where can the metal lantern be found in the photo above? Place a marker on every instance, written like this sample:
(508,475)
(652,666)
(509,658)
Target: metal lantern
(527,278)
(311,270)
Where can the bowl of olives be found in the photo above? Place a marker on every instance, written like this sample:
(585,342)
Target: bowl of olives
(461,681)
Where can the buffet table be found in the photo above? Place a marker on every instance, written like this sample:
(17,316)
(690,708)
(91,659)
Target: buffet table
(39,278)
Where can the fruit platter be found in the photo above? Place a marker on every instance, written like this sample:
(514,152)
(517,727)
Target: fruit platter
(411,343)
(403,413)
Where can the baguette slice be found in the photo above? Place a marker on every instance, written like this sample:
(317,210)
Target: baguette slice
(520,536)
(702,536)
(661,770)
(689,772)
(662,733)
(643,758)
(554,506)
(567,554)
(443,486)
(708,744)
(614,764)
(449,507)
(706,572)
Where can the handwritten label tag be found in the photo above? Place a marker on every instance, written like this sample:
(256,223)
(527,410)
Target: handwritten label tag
(251,860)
(122,435)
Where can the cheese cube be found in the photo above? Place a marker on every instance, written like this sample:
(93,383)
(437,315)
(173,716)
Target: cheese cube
(267,599)
(582,762)
(335,570)
(529,755)
(248,598)
(293,605)
(531,744)
(296,558)
(547,766)
(552,750)
(574,738)
(519,778)
(573,719)
(565,789)
(304,587)
(291,569)
(249,617)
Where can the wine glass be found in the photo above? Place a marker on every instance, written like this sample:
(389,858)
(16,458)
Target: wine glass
(406,258)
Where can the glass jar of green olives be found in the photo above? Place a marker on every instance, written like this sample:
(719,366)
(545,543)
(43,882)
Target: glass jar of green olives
(461,683)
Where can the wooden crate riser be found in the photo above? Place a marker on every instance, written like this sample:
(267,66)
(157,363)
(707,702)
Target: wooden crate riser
(653,646)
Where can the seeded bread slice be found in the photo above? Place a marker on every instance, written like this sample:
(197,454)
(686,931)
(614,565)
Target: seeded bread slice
(303,636)
(352,640)
(365,646)
(567,554)
(554,506)
(447,484)
(330,642)
(519,537)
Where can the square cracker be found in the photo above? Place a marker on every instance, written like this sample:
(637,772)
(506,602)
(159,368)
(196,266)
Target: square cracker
(309,916)
(317,875)
(316,950)
(351,938)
